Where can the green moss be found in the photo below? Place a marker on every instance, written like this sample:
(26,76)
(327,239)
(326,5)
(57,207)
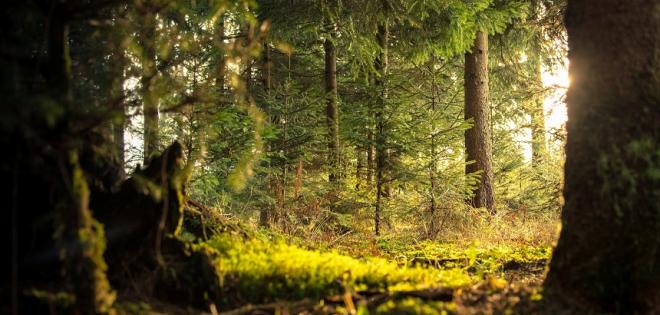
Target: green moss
(477,259)
(87,269)
(260,271)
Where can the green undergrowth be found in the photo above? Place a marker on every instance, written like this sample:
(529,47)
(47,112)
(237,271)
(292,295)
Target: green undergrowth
(259,267)
(257,271)
(262,267)
(482,260)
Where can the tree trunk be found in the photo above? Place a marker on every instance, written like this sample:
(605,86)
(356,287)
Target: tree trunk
(266,211)
(433,166)
(247,63)
(299,178)
(120,143)
(370,150)
(266,69)
(359,155)
(606,260)
(117,104)
(478,142)
(221,61)
(149,97)
(332,112)
(82,238)
(381,150)
(536,111)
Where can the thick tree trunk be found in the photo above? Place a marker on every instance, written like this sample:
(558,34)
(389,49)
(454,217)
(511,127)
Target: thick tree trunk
(149,97)
(332,112)
(82,239)
(608,254)
(381,150)
(478,142)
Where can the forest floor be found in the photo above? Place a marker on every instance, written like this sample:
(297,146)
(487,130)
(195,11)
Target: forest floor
(265,272)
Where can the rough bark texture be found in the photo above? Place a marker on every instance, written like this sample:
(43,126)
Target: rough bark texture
(478,141)
(332,112)
(607,259)
(149,98)
(381,150)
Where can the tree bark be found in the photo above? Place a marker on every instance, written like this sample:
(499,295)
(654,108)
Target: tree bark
(266,212)
(536,110)
(220,67)
(332,112)
(478,142)
(266,69)
(359,156)
(120,143)
(433,166)
(381,150)
(606,260)
(247,63)
(117,104)
(82,238)
(370,148)
(149,97)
